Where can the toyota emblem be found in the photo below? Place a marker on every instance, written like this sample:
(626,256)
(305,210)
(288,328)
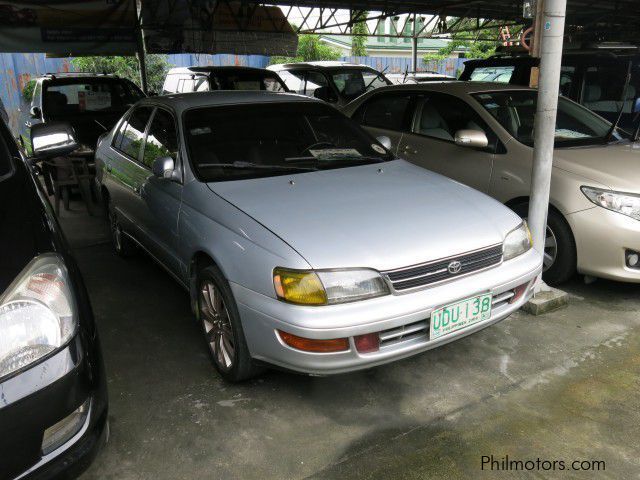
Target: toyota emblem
(454,267)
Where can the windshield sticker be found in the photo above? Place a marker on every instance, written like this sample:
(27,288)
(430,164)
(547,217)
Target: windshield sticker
(333,153)
(378,149)
(94,100)
(200,131)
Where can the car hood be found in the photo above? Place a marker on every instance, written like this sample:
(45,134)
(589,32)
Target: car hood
(380,216)
(616,166)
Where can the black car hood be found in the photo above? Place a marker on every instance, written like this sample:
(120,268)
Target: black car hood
(24,228)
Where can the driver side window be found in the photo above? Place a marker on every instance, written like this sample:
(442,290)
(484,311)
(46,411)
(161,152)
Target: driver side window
(441,116)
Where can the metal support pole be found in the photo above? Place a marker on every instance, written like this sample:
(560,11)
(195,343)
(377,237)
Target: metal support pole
(551,38)
(414,44)
(140,54)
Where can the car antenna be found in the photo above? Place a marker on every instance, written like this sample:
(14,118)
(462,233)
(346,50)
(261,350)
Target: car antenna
(614,127)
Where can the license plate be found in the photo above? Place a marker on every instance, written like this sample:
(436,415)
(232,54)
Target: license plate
(456,316)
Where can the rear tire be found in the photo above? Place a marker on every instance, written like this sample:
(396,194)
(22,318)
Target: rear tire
(560,259)
(218,314)
(123,246)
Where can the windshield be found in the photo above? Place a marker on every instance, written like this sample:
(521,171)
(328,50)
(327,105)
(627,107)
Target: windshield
(351,83)
(250,141)
(65,98)
(575,125)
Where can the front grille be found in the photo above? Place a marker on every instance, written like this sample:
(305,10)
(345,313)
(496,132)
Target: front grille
(437,271)
(403,333)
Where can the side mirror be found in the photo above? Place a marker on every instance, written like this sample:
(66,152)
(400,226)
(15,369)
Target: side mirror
(163,167)
(384,141)
(471,138)
(53,139)
(35,112)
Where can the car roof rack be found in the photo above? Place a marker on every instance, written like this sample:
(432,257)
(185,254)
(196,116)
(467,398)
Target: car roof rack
(79,74)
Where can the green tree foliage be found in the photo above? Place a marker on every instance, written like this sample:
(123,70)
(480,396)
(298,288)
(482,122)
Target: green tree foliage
(483,46)
(27,91)
(310,49)
(359,39)
(127,67)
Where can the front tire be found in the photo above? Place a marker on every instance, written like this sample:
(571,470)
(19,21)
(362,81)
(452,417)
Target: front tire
(218,314)
(560,258)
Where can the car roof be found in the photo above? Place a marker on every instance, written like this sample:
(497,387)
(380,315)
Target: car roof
(214,69)
(457,87)
(318,64)
(184,101)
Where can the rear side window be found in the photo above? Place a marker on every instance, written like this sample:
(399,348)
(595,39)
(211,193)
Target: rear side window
(131,132)
(162,139)
(384,111)
(500,74)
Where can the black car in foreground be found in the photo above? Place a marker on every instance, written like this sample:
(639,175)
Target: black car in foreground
(53,395)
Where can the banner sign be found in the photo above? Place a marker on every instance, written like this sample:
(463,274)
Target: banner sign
(210,26)
(64,27)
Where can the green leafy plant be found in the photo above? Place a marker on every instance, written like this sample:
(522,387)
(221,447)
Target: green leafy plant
(483,46)
(127,67)
(310,49)
(359,38)
(27,91)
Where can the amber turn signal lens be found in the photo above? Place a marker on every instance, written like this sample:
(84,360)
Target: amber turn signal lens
(299,287)
(316,346)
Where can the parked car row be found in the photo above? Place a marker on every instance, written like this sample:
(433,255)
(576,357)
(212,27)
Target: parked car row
(316,239)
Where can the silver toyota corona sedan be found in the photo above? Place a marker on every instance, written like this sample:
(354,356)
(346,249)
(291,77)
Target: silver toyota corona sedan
(303,242)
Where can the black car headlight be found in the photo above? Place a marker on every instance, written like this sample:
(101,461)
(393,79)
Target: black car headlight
(37,314)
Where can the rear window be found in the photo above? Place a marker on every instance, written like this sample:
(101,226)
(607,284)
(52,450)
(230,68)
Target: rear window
(76,97)
(241,80)
(500,74)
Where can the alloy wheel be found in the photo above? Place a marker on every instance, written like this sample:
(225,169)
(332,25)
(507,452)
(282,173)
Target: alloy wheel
(217,325)
(550,250)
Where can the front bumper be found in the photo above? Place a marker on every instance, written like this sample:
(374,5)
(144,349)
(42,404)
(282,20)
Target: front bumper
(395,315)
(602,238)
(43,395)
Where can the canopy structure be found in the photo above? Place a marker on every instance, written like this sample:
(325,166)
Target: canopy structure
(83,27)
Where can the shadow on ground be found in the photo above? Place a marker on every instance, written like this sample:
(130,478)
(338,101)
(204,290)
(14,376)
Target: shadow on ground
(563,386)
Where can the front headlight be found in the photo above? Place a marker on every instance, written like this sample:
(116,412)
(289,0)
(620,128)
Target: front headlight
(517,242)
(36,314)
(327,287)
(625,203)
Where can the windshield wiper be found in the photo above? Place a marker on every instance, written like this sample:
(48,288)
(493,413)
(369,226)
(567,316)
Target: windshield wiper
(345,158)
(257,166)
(614,127)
